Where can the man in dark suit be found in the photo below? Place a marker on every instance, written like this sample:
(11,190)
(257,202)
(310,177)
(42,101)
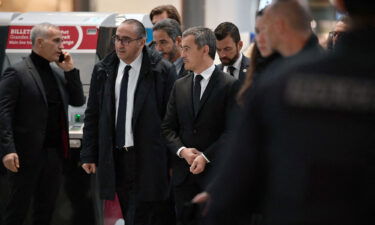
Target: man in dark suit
(167,37)
(122,139)
(197,119)
(34,100)
(228,46)
(304,152)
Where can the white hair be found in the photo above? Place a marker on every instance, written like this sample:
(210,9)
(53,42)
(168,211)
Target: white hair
(41,30)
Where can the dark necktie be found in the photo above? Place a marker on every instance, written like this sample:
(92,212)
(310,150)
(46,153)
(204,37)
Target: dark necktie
(121,112)
(197,93)
(231,70)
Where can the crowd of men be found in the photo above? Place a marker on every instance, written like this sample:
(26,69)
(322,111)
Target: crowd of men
(283,137)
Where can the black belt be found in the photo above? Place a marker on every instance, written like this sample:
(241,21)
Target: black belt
(130,148)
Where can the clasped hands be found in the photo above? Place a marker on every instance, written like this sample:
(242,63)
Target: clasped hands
(195,159)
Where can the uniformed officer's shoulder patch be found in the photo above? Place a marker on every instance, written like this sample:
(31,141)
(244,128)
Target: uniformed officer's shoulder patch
(318,91)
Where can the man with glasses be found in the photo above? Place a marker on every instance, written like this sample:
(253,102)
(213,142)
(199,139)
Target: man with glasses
(122,140)
(34,100)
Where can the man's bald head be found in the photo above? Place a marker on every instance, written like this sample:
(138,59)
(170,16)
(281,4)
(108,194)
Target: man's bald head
(287,25)
(295,13)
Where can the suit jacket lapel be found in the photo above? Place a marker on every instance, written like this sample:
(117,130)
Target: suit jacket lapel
(144,84)
(211,85)
(109,100)
(37,79)
(187,88)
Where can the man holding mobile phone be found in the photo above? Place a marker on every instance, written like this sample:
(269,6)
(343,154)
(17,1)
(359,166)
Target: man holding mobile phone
(34,100)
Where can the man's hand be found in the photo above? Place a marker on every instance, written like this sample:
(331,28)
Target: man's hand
(189,154)
(202,197)
(11,162)
(89,167)
(67,65)
(198,165)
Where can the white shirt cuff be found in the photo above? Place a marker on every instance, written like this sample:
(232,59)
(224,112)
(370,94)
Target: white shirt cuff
(208,161)
(179,151)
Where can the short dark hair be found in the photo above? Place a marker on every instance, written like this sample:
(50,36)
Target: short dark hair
(203,36)
(227,28)
(171,12)
(140,29)
(170,26)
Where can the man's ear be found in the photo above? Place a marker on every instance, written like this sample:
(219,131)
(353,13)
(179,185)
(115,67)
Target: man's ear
(240,45)
(178,41)
(39,42)
(142,41)
(206,49)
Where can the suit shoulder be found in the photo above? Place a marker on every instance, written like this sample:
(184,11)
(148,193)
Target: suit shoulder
(165,64)
(18,68)
(184,79)
(245,60)
(226,77)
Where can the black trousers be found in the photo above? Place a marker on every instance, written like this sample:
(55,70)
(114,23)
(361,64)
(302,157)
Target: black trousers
(183,194)
(79,190)
(41,182)
(134,211)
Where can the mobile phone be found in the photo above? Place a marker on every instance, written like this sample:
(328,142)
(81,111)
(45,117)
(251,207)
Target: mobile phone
(61,57)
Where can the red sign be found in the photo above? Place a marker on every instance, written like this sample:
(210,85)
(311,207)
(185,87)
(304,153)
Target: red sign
(112,212)
(74,37)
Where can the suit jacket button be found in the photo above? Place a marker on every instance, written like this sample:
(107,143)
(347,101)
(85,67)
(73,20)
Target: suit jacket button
(194,131)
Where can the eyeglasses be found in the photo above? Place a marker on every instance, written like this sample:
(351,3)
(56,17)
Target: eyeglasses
(124,40)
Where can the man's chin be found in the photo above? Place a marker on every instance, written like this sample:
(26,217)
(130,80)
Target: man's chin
(225,62)
(166,57)
(187,67)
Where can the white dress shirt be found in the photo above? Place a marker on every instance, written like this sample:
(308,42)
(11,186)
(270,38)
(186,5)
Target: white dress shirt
(237,66)
(206,77)
(132,84)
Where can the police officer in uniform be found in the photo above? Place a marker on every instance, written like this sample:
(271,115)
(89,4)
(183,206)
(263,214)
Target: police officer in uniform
(305,151)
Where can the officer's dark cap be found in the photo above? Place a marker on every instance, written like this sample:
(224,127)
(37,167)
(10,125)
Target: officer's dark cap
(360,7)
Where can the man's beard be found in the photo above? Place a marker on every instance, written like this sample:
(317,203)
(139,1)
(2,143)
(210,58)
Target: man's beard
(230,62)
(172,54)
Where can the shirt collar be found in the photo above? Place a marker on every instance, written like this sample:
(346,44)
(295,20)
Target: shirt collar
(206,74)
(178,61)
(136,64)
